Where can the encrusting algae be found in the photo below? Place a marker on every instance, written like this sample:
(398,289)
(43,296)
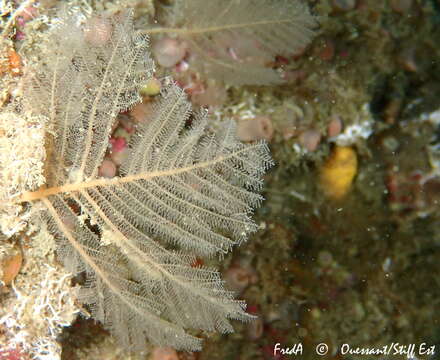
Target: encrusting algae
(338,171)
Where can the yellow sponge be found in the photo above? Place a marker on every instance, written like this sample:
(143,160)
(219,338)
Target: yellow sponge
(338,172)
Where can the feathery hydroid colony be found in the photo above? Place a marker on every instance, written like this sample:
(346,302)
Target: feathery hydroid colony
(183,192)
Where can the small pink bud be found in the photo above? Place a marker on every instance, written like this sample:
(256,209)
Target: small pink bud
(19,35)
(310,139)
(118,144)
(20,22)
(334,127)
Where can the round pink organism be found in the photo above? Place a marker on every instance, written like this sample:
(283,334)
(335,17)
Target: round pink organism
(310,139)
(164,353)
(258,128)
(107,169)
(98,31)
(142,112)
(168,52)
(238,277)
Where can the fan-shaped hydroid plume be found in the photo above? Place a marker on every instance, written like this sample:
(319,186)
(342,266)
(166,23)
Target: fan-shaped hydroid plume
(182,192)
(233,40)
